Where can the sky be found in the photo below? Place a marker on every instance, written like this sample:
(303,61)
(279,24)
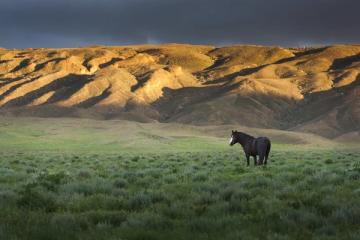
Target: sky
(75,23)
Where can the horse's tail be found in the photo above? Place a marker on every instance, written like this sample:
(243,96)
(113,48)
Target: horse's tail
(268,150)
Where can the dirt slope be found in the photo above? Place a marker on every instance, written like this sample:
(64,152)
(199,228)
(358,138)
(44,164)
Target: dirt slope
(313,90)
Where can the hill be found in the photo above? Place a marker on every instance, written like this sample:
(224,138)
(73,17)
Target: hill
(312,90)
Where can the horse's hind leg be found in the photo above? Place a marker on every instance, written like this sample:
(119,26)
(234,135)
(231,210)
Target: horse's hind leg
(261,159)
(266,158)
(267,153)
(255,162)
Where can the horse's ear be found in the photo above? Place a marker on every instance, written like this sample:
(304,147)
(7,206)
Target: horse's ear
(232,131)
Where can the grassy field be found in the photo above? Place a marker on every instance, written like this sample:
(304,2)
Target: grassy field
(86,179)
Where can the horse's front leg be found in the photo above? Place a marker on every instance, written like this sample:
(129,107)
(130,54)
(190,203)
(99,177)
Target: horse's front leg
(247,159)
(255,161)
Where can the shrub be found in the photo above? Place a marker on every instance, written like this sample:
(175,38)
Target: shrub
(329,161)
(200,177)
(170,178)
(88,187)
(34,198)
(203,224)
(97,202)
(148,220)
(131,177)
(65,222)
(7,197)
(84,174)
(158,196)
(139,201)
(174,210)
(205,198)
(51,181)
(114,218)
(120,183)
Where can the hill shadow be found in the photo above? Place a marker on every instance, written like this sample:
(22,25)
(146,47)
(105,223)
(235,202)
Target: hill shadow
(94,100)
(141,80)
(242,72)
(174,101)
(63,87)
(251,70)
(4,61)
(317,104)
(112,61)
(42,65)
(300,54)
(13,88)
(5,81)
(217,63)
(341,63)
(21,65)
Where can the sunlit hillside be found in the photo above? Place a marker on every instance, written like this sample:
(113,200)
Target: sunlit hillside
(313,90)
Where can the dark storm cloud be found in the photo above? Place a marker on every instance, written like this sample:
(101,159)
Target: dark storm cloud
(72,23)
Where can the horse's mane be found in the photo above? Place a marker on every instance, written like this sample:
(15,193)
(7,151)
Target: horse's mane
(244,135)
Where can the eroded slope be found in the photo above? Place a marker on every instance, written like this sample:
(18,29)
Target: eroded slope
(314,90)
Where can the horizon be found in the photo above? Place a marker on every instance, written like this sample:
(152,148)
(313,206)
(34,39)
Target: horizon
(190,44)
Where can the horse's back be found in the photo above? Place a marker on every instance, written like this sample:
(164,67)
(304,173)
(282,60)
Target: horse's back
(263,140)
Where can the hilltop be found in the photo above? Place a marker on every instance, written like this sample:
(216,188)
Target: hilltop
(301,89)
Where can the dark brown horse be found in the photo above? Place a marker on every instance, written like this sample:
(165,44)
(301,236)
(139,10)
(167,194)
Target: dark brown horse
(252,146)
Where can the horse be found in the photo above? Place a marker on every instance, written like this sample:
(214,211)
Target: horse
(252,146)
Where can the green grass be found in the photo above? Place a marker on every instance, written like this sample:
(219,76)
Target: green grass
(176,187)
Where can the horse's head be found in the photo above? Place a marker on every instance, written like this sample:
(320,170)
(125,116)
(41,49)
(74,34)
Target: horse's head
(239,137)
(233,138)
